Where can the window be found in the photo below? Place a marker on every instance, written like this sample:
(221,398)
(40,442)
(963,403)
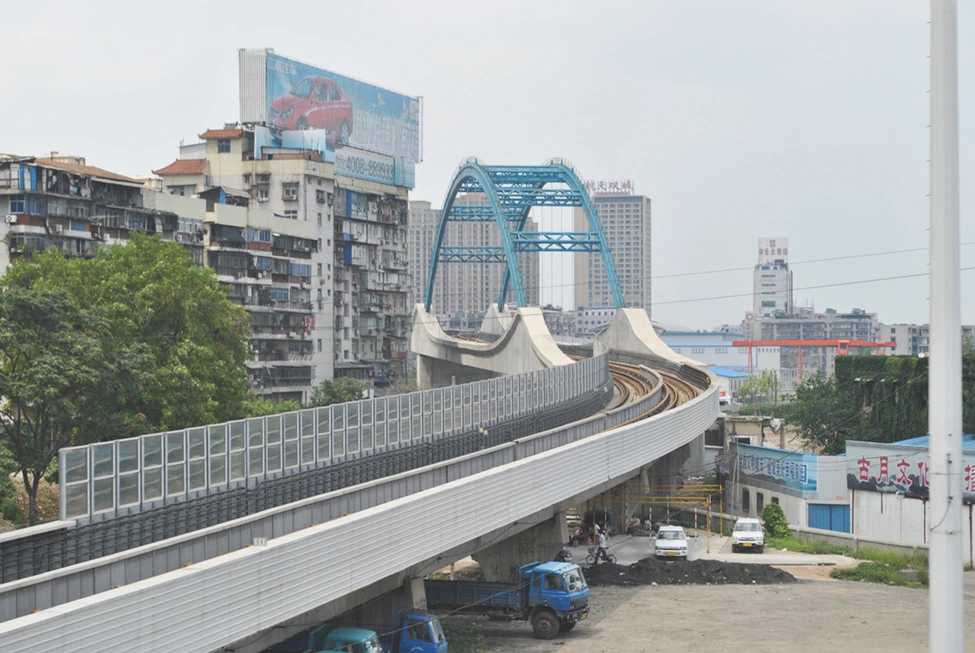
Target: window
(223,146)
(320,197)
(745,501)
(319,219)
(775,500)
(553,582)
(262,194)
(291,214)
(290,191)
(759,502)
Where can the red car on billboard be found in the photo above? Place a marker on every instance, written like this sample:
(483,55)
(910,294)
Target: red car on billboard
(313,103)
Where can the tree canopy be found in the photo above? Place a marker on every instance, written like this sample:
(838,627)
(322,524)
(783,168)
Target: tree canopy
(151,292)
(337,391)
(63,378)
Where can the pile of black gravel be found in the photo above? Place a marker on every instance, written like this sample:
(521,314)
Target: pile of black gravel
(650,571)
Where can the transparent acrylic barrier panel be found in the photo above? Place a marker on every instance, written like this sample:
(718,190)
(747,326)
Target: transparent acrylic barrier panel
(218,454)
(458,404)
(393,412)
(290,440)
(352,426)
(75,471)
(238,451)
(128,469)
(365,417)
(175,463)
(196,443)
(467,406)
(273,434)
(338,430)
(307,437)
(427,413)
(255,447)
(416,412)
(438,425)
(152,465)
(379,410)
(324,434)
(405,417)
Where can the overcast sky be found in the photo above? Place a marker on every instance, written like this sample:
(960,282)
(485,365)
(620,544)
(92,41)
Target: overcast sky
(739,118)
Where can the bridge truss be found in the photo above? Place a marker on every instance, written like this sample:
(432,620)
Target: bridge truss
(511,193)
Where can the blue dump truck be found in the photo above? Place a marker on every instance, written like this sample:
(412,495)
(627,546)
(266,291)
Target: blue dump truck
(552,596)
(413,631)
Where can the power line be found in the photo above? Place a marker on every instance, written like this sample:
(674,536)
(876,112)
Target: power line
(813,260)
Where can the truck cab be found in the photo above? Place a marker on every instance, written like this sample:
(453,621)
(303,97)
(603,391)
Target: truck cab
(558,597)
(344,639)
(415,631)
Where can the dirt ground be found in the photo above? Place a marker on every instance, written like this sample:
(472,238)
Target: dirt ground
(813,616)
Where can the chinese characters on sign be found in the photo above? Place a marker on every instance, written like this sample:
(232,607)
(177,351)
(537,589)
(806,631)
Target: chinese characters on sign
(787,470)
(771,249)
(610,186)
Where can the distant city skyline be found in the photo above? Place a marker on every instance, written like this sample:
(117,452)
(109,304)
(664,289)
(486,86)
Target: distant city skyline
(738,120)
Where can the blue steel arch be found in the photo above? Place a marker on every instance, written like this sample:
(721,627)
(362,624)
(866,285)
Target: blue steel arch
(511,192)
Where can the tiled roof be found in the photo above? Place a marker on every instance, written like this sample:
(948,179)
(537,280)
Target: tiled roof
(85,170)
(183,167)
(222,133)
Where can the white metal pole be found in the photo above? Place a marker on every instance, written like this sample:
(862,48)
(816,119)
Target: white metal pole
(946,622)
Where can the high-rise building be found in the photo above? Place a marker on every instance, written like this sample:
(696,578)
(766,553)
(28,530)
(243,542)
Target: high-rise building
(626,222)
(467,288)
(317,259)
(772,279)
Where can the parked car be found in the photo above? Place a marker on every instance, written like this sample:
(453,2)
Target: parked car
(748,535)
(670,543)
(313,103)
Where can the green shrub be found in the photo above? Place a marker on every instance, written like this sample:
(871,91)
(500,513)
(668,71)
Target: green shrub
(774,520)
(463,635)
(10,511)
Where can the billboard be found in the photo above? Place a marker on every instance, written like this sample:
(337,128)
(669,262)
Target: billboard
(299,96)
(791,469)
(773,249)
(899,469)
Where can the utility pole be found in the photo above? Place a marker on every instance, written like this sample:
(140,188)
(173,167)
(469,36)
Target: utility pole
(946,620)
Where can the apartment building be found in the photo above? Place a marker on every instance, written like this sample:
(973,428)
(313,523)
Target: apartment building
(59,201)
(330,299)
(912,339)
(463,288)
(626,223)
(806,324)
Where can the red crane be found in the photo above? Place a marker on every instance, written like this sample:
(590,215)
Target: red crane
(842,347)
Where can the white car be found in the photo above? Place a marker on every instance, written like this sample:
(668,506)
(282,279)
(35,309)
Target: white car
(670,543)
(748,534)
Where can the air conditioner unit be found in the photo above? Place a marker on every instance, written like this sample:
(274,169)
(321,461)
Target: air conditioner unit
(11,219)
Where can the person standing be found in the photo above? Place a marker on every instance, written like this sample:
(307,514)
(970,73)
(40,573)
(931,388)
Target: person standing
(601,551)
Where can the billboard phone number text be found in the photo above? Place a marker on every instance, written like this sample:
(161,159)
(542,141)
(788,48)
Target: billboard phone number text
(365,168)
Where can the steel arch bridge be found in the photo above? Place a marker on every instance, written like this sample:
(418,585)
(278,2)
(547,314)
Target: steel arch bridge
(511,192)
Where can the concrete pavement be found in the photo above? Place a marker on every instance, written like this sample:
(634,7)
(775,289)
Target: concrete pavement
(631,548)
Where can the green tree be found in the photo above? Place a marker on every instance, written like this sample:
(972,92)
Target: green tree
(151,292)
(824,416)
(257,406)
(968,384)
(763,387)
(62,380)
(774,520)
(337,391)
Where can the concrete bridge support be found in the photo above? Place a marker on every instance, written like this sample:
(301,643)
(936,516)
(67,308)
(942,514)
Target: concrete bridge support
(524,345)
